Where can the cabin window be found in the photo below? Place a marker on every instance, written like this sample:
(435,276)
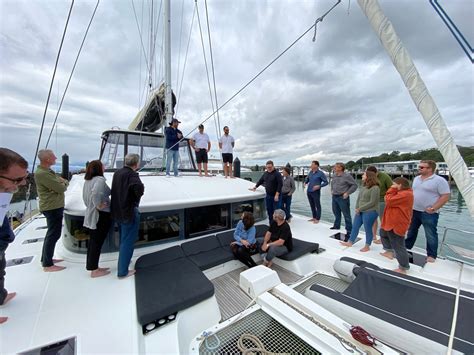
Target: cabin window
(158,226)
(206,219)
(76,236)
(257,207)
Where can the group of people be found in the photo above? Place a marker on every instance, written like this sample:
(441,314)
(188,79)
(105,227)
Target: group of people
(201,144)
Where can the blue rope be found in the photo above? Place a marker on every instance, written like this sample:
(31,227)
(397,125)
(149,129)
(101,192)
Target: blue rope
(454,30)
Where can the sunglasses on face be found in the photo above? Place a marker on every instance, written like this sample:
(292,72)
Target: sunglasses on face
(16,181)
(422,167)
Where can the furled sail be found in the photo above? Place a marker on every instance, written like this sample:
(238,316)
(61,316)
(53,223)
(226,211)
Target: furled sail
(421,97)
(152,116)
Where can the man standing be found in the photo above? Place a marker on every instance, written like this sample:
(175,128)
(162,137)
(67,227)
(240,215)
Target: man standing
(342,185)
(431,193)
(385,182)
(278,240)
(226,144)
(201,145)
(315,180)
(173,136)
(50,188)
(127,189)
(12,174)
(273,182)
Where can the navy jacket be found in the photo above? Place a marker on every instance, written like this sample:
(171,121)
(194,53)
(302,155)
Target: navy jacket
(6,234)
(127,189)
(172,138)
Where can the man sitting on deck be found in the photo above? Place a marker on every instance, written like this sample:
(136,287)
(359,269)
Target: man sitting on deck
(277,240)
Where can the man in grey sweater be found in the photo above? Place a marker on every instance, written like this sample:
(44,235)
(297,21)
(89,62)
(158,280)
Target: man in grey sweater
(342,185)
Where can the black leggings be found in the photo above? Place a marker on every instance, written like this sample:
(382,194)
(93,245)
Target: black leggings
(243,254)
(97,238)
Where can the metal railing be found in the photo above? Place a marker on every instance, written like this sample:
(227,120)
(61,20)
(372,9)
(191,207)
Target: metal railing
(448,246)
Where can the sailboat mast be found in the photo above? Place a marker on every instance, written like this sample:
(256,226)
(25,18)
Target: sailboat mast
(168,98)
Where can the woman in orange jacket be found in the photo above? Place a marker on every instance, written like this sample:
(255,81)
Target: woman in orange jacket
(395,222)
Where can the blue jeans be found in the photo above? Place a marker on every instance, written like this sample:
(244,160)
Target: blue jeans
(272,206)
(128,236)
(367,218)
(314,199)
(340,204)
(286,205)
(430,225)
(54,221)
(172,154)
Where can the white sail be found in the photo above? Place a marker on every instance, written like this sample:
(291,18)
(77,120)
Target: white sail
(421,97)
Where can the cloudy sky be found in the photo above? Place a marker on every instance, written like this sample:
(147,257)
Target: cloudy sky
(335,99)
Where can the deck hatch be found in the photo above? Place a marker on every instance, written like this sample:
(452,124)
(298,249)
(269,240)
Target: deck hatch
(19,261)
(33,240)
(62,347)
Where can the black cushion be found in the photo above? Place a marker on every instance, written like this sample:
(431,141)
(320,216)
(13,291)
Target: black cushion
(225,238)
(300,248)
(168,288)
(208,259)
(200,245)
(260,230)
(159,257)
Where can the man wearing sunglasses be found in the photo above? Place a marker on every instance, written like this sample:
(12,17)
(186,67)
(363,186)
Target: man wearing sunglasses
(13,174)
(431,193)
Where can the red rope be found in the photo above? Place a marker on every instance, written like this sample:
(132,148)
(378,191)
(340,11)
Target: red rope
(361,335)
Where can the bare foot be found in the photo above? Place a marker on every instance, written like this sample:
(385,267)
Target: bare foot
(430,259)
(104,268)
(346,244)
(315,221)
(8,298)
(311,220)
(268,264)
(401,271)
(3,319)
(53,268)
(364,249)
(99,273)
(58,260)
(387,254)
(130,273)
(377,241)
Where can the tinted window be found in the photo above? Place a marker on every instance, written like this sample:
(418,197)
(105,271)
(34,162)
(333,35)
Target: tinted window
(158,226)
(254,206)
(201,220)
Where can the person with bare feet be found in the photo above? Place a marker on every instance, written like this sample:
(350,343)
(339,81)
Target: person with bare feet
(127,190)
(315,180)
(51,188)
(278,239)
(385,182)
(13,173)
(97,217)
(201,145)
(431,192)
(226,145)
(395,222)
(366,211)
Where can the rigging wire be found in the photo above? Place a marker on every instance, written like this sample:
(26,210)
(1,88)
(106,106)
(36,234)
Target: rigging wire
(180,40)
(321,18)
(51,85)
(466,47)
(141,37)
(205,64)
(213,73)
(72,72)
(261,71)
(185,62)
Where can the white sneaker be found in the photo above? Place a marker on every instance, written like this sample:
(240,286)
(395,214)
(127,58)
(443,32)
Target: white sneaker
(168,175)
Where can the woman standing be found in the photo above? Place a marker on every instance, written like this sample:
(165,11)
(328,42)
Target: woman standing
(367,210)
(96,196)
(287,191)
(245,241)
(395,222)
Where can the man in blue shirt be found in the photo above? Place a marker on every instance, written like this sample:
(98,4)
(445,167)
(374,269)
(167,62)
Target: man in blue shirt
(173,136)
(315,180)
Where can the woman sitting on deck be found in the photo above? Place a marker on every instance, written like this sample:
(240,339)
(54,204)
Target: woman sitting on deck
(367,210)
(245,242)
(395,222)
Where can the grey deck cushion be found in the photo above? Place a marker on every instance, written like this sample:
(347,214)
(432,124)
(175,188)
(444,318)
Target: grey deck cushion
(260,230)
(206,252)
(300,248)
(159,257)
(168,288)
(225,238)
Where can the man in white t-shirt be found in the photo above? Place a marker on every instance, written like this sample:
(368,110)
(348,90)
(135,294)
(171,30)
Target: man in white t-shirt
(201,145)
(13,174)
(431,192)
(226,144)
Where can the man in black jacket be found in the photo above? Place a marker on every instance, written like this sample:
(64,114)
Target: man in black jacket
(273,182)
(127,189)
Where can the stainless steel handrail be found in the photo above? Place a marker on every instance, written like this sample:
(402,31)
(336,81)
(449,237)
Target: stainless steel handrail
(446,229)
